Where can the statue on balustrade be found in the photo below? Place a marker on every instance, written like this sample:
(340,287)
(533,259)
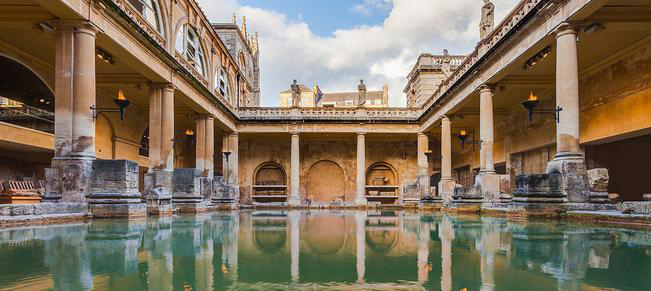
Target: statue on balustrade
(296,94)
(361,97)
(487,19)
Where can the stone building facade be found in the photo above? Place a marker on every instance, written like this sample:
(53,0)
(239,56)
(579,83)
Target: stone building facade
(314,97)
(580,65)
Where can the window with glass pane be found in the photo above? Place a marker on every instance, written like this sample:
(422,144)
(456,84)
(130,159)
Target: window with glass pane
(149,9)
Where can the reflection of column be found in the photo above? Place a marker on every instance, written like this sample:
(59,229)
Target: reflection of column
(446,186)
(295,199)
(446,234)
(490,243)
(360,236)
(294,233)
(360,198)
(423,175)
(423,252)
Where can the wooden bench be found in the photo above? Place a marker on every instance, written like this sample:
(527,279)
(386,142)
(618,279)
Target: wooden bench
(21,192)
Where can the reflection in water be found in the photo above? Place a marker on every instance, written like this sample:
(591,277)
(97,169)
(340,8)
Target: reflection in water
(323,250)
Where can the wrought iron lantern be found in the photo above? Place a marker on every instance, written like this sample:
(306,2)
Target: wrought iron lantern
(121,102)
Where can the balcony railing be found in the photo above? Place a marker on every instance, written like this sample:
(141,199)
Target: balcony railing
(324,113)
(130,11)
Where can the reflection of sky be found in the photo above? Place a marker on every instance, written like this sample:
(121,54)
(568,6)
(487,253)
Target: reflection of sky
(318,249)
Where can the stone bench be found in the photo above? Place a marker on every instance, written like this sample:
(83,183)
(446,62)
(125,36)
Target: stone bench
(20,192)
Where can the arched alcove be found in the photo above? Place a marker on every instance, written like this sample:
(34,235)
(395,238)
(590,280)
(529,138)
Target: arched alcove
(269,183)
(326,182)
(382,183)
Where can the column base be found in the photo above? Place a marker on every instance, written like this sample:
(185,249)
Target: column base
(446,190)
(118,210)
(158,192)
(574,176)
(488,184)
(294,201)
(114,190)
(190,207)
(361,201)
(187,196)
(539,188)
(69,180)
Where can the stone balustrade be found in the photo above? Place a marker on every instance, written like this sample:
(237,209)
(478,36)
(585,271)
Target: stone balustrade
(329,113)
(132,13)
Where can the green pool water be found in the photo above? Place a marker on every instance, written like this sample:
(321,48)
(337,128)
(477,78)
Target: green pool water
(316,250)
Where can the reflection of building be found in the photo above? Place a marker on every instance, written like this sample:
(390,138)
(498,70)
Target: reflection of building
(314,97)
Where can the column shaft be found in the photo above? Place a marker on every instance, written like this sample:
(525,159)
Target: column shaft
(295,199)
(209,156)
(423,165)
(167,127)
(567,92)
(63,91)
(234,160)
(83,126)
(200,143)
(446,149)
(486,129)
(155,139)
(360,198)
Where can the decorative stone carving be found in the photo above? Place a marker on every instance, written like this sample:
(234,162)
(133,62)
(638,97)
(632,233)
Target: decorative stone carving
(487,19)
(296,94)
(598,179)
(361,97)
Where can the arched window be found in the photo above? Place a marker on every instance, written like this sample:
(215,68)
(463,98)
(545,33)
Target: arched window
(150,10)
(222,83)
(188,44)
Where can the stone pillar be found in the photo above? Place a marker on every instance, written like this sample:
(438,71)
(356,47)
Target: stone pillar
(446,186)
(568,160)
(360,197)
(200,143)
(294,233)
(487,181)
(158,180)
(204,153)
(360,244)
(295,198)
(114,190)
(233,165)
(69,178)
(423,166)
(209,156)
(83,122)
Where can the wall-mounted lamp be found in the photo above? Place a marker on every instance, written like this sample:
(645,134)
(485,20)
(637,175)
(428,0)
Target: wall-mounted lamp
(537,58)
(188,137)
(463,135)
(532,102)
(105,56)
(120,101)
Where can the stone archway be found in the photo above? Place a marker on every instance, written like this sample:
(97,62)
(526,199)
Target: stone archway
(326,182)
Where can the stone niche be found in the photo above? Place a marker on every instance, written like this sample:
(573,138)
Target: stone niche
(187,194)
(114,189)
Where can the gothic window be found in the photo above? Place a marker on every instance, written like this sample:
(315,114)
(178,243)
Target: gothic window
(222,83)
(188,44)
(150,10)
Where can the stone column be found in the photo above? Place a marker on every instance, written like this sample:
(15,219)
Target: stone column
(69,178)
(83,122)
(295,199)
(233,167)
(423,166)
(568,160)
(360,244)
(167,127)
(209,156)
(487,181)
(294,233)
(158,180)
(360,198)
(446,186)
(200,143)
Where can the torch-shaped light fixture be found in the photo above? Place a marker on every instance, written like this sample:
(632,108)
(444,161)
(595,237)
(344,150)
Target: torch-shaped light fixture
(532,102)
(463,135)
(120,101)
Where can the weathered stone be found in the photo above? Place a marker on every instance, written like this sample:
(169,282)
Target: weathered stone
(643,207)
(505,183)
(646,197)
(598,179)
(574,178)
(72,179)
(114,189)
(544,188)
(52,185)
(158,192)
(187,193)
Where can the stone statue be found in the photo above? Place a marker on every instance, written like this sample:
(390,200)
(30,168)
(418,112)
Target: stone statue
(296,95)
(487,19)
(445,63)
(361,97)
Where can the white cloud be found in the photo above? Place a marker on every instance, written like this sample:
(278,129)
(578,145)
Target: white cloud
(380,54)
(368,7)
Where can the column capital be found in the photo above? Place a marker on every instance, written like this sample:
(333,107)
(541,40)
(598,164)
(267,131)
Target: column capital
(361,132)
(421,134)
(445,118)
(163,86)
(234,134)
(487,88)
(294,132)
(566,28)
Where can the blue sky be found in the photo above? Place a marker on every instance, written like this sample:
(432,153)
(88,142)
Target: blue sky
(324,17)
(335,43)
